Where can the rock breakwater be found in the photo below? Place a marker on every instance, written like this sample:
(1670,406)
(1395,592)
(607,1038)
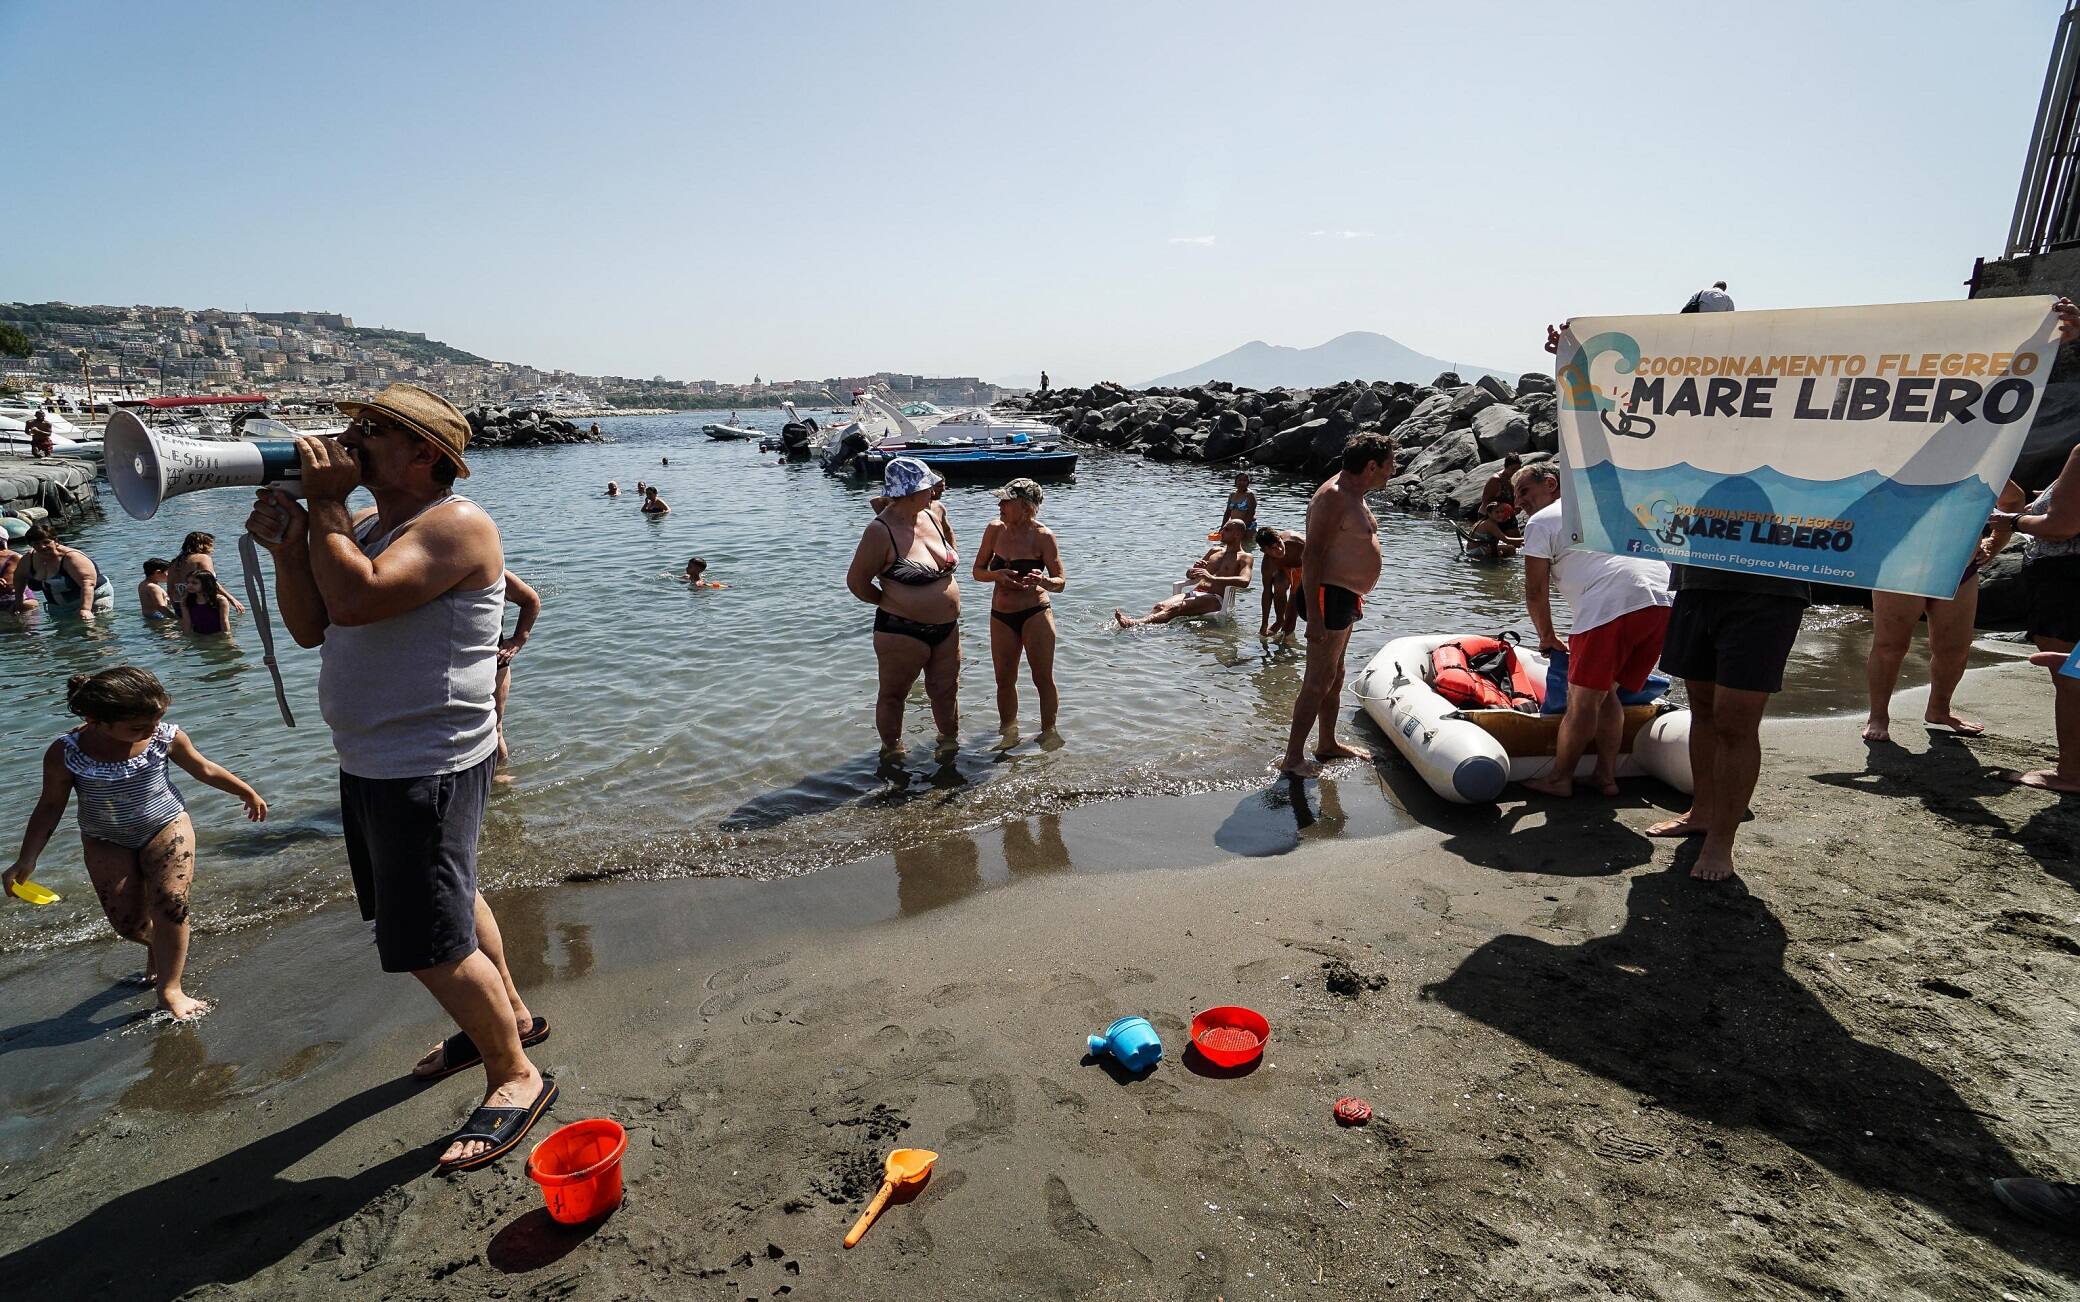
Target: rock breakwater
(523,427)
(1449,436)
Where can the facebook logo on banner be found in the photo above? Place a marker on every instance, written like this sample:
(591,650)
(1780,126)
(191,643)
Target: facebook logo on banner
(1634,545)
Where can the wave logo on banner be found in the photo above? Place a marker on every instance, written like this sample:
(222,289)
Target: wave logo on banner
(1855,446)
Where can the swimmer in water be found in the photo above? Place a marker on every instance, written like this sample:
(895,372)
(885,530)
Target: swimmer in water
(613,489)
(652,503)
(696,572)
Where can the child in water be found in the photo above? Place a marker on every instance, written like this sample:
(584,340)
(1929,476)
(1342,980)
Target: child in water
(133,825)
(696,568)
(151,594)
(206,607)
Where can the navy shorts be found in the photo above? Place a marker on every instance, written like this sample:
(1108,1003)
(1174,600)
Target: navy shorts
(1737,640)
(412,844)
(2051,587)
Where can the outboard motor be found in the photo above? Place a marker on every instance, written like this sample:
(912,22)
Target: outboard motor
(794,441)
(848,451)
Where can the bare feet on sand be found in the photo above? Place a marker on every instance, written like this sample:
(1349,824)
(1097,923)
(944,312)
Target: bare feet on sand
(519,1092)
(1876,729)
(182,1006)
(2042,779)
(1961,726)
(1299,768)
(1558,787)
(1683,826)
(1343,750)
(1713,865)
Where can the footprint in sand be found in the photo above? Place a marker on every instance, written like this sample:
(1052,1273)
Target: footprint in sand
(1622,1147)
(1061,1096)
(954,992)
(733,984)
(995,1110)
(1073,1227)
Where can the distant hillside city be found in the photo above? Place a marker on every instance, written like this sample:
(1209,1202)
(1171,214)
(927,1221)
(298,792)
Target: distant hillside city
(138,351)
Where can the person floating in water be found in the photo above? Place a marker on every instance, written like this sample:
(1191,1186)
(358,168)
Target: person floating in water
(613,489)
(133,825)
(696,574)
(1221,568)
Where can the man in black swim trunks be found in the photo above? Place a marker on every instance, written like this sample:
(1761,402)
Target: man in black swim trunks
(1340,564)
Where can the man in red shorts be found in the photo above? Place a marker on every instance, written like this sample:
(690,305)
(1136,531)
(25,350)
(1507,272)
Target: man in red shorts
(1620,606)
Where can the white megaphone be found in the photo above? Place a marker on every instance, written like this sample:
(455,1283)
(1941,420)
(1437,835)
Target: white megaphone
(146,467)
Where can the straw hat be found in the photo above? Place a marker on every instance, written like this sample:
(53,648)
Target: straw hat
(424,413)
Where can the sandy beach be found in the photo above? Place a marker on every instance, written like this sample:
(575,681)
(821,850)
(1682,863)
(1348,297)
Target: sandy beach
(1593,1077)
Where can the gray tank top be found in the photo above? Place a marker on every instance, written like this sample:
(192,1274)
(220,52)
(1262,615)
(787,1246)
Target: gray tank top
(2042,549)
(410,696)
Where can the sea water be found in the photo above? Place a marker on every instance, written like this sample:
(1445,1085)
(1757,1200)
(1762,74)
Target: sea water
(658,731)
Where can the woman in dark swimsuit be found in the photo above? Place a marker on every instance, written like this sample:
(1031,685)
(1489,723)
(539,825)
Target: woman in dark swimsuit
(1018,554)
(904,569)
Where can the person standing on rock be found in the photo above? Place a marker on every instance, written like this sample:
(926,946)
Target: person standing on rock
(1714,299)
(405,602)
(1339,565)
(1620,606)
(1043,382)
(42,440)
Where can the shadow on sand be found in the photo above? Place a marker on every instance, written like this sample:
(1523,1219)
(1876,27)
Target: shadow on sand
(220,1223)
(1689,1004)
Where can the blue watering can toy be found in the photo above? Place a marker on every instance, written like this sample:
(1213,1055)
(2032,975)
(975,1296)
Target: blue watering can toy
(1132,1041)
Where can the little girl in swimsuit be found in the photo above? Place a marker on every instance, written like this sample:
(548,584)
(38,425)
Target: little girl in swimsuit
(133,825)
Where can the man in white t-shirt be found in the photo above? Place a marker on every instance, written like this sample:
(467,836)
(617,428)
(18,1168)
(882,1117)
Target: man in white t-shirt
(1620,606)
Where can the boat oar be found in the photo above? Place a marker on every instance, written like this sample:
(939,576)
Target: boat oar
(907,1168)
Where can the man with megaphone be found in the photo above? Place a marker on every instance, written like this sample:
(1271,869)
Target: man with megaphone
(405,603)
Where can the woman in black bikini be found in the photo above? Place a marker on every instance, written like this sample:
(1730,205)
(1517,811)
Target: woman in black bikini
(1018,554)
(904,569)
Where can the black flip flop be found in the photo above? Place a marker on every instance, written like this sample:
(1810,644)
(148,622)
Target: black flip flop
(459,1052)
(502,1128)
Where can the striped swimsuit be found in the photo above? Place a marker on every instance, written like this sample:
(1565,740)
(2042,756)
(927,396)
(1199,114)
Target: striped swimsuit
(127,802)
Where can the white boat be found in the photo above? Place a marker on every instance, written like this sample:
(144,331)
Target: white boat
(723,431)
(1469,755)
(20,413)
(15,442)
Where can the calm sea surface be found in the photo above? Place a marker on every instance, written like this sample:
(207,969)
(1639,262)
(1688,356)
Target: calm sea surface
(662,732)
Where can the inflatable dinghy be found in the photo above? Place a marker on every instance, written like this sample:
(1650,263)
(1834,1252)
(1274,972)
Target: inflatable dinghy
(1469,755)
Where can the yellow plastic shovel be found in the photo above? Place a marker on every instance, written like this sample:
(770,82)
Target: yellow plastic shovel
(34,892)
(907,1168)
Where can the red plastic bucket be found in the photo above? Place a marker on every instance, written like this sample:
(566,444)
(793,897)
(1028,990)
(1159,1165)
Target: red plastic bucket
(579,1170)
(1231,1035)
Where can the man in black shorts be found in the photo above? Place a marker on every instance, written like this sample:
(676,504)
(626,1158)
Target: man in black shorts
(1339,564)
(406,601)
(1729,638)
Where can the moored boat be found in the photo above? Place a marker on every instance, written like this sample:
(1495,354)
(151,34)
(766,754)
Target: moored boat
(729,432)
(977,461)
(1468,755)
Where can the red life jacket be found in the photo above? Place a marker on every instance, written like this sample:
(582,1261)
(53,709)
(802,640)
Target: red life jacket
(1484,673)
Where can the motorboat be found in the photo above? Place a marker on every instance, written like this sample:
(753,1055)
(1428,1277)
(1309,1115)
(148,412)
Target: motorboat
(728,432)
(966,444)
(1468,755)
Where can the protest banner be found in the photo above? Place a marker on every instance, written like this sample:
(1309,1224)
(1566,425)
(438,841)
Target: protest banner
(1857,446)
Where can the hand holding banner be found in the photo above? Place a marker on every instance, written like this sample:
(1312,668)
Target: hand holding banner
(1854,446)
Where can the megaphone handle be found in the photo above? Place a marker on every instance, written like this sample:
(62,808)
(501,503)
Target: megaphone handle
(256,596)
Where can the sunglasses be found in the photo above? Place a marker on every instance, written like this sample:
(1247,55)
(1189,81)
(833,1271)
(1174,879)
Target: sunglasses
(367,425)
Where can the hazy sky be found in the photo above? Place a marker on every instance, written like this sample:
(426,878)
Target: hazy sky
(1107,190)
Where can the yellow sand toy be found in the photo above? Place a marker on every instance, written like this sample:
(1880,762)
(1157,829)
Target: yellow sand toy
(34,893)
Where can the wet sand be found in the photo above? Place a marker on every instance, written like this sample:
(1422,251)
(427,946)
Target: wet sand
(1593,1077)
